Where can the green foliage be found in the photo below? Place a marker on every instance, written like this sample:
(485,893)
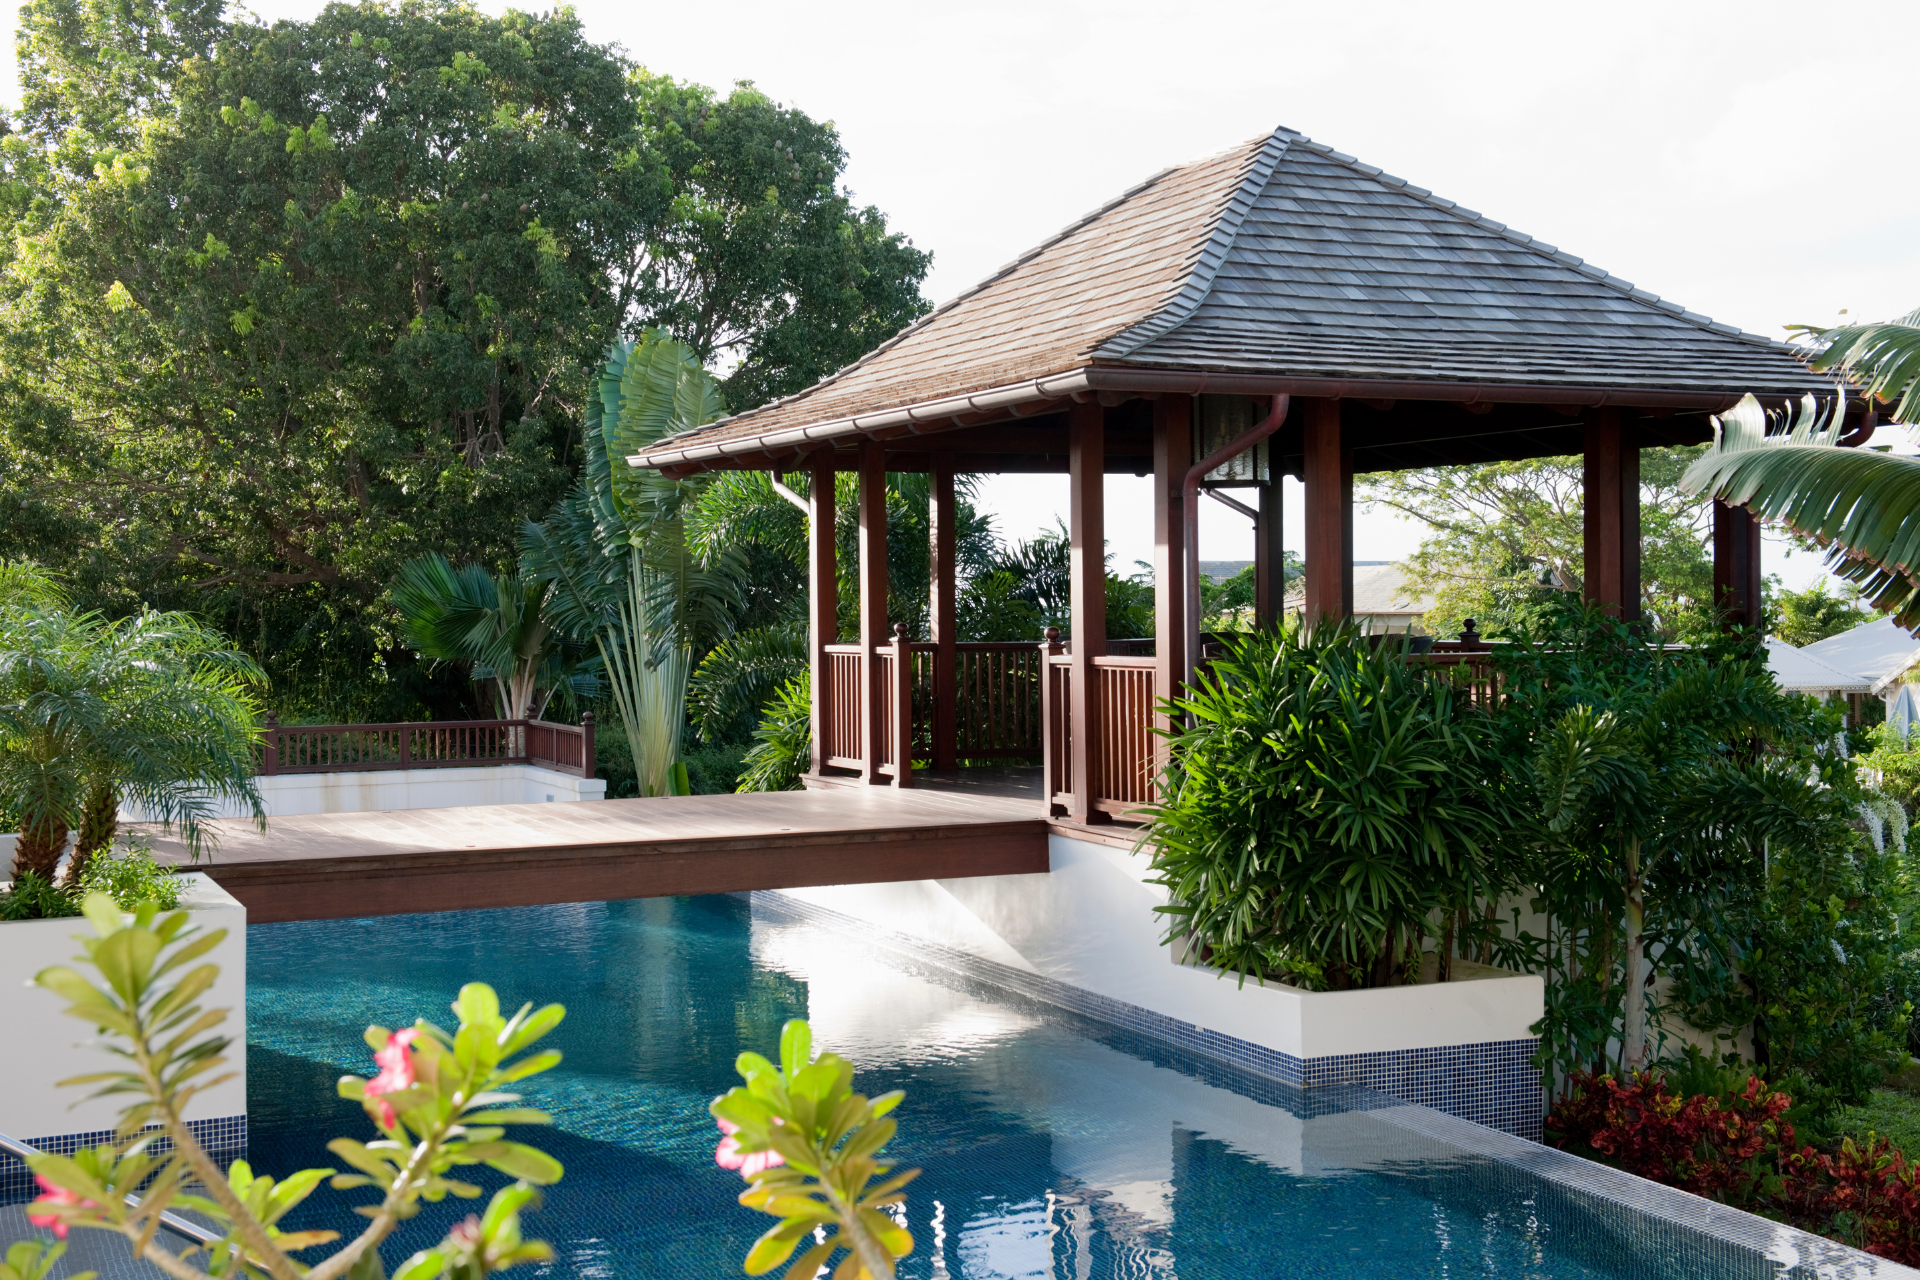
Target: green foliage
(157,709)
(130,877)
(1230,604)
(290,304)
(32,1260)
(438,1102)
(1884,358)
(1894,761)
(824,1140)
(496,626)
(1328,799)
(1803,617)
(31,896)
(714,769)
(737,678)
(783,744)
(1508,539)
(1790,468)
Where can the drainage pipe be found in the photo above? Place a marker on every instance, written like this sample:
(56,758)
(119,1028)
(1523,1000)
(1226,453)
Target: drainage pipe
(1190,515)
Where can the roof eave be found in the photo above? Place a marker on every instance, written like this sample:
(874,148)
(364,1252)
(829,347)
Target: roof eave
(937,414)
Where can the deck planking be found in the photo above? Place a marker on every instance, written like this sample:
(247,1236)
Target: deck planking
(338,865)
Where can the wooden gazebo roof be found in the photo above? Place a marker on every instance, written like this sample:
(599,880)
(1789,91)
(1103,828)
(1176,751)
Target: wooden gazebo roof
(1279,266)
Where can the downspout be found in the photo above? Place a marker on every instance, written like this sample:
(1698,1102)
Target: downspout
(1190,515)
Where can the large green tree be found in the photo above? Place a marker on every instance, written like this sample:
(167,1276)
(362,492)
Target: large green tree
(1506,539)
(287,305)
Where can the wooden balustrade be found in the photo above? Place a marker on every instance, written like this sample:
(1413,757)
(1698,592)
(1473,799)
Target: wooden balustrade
(440,744)
(1123,780)
(840,703)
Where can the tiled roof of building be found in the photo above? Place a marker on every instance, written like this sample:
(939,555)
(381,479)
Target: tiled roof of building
(1285,258)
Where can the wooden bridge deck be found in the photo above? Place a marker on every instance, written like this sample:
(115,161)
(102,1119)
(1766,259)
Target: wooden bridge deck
(329,866)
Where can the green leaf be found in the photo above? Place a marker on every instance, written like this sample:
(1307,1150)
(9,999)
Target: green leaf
(477,1005)
(526,1162)
(777,1245)
(528,1067)
(796,1047)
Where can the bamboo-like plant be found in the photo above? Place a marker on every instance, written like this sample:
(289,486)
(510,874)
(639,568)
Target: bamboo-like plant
(437,1102)
(1327,806)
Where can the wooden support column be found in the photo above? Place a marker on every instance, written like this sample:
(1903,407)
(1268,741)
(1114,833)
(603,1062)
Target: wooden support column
(1736,566)
(1086,522)
(943,622)
(823,600)
(1612,514)
(874,631)
(1172,455)
(1328,464)
(1269,556)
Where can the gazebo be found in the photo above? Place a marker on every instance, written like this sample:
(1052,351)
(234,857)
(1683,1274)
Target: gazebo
(1278,309)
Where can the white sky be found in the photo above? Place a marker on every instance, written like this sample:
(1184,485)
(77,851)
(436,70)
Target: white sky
(1749,159)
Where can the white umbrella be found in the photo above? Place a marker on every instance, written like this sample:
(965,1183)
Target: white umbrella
(1903,711)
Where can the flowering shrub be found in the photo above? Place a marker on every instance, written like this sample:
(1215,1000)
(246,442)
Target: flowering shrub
(437,1102)
(807,1145)
(1739,1148)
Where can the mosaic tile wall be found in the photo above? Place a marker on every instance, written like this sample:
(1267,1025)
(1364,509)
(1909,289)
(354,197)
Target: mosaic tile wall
(224,1137)
(1493,1083)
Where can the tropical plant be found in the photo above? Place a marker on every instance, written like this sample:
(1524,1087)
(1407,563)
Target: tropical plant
(1805,617)
(738,677)
(496,625)
(1882,358)
(1506,539)
(1669,792)
(783,744)
(1326,801)
(437,1102)
(1862,505)
(157,710)
(808,1147)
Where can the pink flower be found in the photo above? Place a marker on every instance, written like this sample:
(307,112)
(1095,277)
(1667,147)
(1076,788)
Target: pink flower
(53,1194)
(396,1071)
(729,1156)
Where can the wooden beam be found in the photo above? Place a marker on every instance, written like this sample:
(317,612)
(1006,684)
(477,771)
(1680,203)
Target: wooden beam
(874,631)
(1086,521)
(1736,566)
(1611,479)
(823,601)
(1172,455)
(1327,467)
(943,622)
(1269,555)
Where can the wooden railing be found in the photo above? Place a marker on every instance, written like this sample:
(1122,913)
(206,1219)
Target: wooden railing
(440,744)
(1124,764)
(840,708)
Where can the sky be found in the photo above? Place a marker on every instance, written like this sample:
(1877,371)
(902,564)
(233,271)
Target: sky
(1750,160)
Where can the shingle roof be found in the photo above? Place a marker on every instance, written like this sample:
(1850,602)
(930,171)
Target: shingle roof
(1284,258)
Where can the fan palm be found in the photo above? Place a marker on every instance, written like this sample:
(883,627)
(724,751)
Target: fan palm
(497,624)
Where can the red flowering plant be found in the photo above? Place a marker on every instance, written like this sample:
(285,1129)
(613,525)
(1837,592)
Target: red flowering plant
(808,1147)
(437,1102)
(1865,1194)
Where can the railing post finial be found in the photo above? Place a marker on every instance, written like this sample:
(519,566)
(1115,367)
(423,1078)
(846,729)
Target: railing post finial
(1469,638)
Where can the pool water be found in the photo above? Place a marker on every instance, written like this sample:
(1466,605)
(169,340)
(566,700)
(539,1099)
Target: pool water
(1053,1146)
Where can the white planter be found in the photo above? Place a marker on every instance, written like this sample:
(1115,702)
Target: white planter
(43,1045)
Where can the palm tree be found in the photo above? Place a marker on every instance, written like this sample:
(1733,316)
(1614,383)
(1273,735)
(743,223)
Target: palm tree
(1863,505)
(497,624)
(156,710)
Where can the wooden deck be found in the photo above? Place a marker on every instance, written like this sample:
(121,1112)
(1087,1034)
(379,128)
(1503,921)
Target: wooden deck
(330,866)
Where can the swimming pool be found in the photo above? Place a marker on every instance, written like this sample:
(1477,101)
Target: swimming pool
(1054,1146)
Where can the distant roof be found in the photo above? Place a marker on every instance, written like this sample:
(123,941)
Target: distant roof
(1283,258)
(1879,651)
(1379,590)
(1803,672)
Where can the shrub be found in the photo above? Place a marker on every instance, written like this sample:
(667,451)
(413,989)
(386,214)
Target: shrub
(783,746)
(1327,801)
(130,878)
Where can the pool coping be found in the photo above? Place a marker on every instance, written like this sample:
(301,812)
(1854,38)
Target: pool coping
(1798,1253)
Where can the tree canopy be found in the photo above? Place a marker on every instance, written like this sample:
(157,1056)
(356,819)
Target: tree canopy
(286,305)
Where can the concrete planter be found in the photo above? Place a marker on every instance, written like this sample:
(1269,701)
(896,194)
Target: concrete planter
(1085,936)
(44,1046)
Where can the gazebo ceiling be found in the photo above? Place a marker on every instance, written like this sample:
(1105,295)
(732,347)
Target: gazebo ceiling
(1278,266)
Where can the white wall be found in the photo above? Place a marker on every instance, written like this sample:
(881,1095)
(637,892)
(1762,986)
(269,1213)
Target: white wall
(40,1045)
(287,794)
(1090,923)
